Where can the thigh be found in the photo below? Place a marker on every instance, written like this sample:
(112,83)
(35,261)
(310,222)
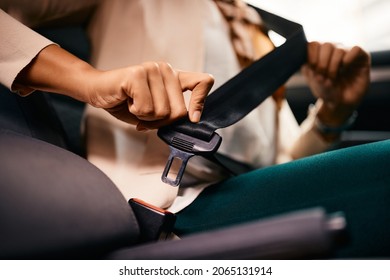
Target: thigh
(354,180)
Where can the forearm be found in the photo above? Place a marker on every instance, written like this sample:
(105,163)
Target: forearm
(56,70)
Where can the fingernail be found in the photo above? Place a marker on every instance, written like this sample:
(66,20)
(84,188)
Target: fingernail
(196,116)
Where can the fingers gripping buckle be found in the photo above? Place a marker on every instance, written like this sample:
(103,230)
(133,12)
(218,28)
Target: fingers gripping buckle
(183,147)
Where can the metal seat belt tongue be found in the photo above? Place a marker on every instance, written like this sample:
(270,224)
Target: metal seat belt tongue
(183,147)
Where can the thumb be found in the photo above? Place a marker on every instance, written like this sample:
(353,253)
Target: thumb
(200,85)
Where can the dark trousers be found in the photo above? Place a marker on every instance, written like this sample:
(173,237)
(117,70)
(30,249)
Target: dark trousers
(353,180)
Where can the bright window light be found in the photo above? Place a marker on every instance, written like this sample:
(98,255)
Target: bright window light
(348,22)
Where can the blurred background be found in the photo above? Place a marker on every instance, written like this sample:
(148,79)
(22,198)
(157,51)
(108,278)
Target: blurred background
(349,22)
(365,23)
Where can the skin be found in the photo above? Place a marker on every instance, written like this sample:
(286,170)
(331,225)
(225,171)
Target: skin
(340,78)
(149,95)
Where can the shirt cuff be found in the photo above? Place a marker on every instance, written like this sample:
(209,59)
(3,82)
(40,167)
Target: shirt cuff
(309,142)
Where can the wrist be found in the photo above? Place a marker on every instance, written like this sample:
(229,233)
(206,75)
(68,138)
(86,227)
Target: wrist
(86,82)
(330,127)
(79,81)
(106,89)
(333,115)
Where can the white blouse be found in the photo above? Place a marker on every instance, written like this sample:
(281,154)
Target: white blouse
(191,35)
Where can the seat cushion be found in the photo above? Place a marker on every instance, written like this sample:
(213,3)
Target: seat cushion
(54,203)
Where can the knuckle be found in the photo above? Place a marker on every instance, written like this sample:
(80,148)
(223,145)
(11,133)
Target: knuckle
(198,100)
(339,51)
(179,113)
(163,113)
(151,66)
(328,45)
(144,111)
(209,79)
(357,47)
(164,66)
(313,46)
(314,43)
(138,72)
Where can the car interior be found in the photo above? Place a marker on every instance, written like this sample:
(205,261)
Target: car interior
(304,235)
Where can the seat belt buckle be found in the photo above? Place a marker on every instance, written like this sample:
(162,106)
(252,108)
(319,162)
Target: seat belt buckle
(182,148)
(155,223)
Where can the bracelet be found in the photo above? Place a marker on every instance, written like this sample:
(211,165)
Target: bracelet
(322,128)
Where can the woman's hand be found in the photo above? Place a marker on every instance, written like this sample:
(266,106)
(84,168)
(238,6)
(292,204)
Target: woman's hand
(339,77)
(150,95)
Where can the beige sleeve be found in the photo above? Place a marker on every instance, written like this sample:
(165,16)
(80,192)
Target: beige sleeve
(309,142)
(18,46)
(296,141)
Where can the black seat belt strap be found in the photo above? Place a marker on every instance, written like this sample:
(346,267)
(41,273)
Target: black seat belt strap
(237,97)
